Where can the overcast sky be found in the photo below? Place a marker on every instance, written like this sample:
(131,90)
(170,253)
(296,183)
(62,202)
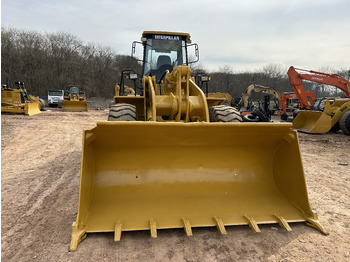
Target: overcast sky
(245,35)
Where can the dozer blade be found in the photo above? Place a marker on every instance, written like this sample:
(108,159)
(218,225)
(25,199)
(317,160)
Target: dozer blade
(25,108)
(74,106)
(32,108)
(315,122)
(149,176)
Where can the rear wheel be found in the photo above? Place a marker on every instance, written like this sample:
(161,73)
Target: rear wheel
(122,112)
(344,123)
(224,113)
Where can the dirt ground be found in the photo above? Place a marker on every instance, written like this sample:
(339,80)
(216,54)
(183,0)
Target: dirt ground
(40,163)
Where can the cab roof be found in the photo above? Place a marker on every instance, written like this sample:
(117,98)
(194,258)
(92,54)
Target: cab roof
(146,34)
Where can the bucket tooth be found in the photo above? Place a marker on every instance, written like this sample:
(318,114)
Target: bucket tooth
(316,224)
(118,231)
(252,224)
(187,226)
(283,223)
(78,235)
(220,225)
(153,228)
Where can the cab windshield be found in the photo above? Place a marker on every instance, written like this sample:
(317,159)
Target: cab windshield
(55,93)
(162,55)
(74,90)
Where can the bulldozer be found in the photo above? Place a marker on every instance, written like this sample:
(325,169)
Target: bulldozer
(170,157)
(74,99)
(18,101)
(335,112)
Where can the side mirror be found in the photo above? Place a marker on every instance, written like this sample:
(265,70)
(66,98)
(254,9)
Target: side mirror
(135,55)
(193,52)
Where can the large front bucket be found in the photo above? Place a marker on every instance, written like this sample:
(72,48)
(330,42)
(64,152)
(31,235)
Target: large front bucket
(315,122)
(149,176)
(74,106)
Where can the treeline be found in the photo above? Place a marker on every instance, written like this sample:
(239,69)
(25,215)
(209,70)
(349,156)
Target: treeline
(46,61)
(271,75)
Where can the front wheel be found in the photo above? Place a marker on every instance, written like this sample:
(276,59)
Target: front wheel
(223,113)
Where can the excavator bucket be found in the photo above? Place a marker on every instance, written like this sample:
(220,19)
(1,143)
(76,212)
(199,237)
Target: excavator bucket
(151,175)
(315,122)
(74,106)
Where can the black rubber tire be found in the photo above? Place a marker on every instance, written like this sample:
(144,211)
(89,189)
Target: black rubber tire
(226,114)
(122,112)
(249,118)
(344,123)
(260,115)
(335,128)
(284,117)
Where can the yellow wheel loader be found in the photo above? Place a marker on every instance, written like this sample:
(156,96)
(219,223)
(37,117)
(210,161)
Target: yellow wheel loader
(334,115)
(170,157)
(74,100)
(17,101)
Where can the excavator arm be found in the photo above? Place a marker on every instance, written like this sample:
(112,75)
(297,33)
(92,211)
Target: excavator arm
(257,89)
(296,82)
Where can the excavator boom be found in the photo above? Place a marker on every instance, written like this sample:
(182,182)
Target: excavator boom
(304,97)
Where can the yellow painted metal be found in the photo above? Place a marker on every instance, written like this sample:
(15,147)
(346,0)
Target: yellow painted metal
(32,108)
(319,122)
(186,35)
(152,175)
(74,105)
(11,103)
(227,97)
(178,97)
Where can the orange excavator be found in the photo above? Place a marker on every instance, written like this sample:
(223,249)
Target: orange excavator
(304,97)
(288,103)
(336,110)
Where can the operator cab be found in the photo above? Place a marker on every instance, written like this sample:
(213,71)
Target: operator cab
(164,50)
(73,90)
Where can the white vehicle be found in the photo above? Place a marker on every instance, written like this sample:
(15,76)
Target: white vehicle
(55,97)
